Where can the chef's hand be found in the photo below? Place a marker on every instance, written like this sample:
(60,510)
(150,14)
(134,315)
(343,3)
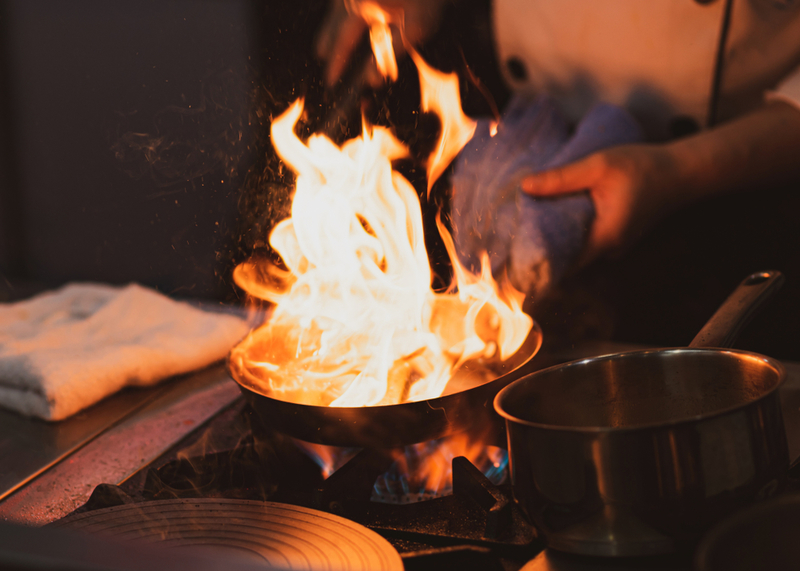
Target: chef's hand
(341,31)
(629,185)
(533,241)
(634,185)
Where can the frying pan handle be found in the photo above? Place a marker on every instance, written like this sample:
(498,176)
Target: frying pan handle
(724,326)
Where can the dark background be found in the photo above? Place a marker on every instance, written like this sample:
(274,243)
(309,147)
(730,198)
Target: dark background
(78,77)
(134,147)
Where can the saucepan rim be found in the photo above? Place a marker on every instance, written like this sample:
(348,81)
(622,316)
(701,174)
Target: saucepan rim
(771,362)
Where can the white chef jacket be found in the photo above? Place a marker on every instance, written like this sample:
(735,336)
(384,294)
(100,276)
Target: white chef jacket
(654,57)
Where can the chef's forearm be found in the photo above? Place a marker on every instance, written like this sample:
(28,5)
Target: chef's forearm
(754,151)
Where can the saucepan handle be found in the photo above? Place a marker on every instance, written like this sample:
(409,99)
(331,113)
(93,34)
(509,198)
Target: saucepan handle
(724,326)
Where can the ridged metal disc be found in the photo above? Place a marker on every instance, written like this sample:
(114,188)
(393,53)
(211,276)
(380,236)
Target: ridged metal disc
(278,535)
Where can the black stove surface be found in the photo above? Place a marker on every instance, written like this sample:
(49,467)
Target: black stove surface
(476,526)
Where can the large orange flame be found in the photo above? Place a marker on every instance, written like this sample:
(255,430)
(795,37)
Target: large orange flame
(356,322)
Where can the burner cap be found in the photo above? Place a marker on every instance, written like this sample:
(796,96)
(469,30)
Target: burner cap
(278,535)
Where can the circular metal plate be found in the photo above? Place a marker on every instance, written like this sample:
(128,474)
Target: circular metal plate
(277,535)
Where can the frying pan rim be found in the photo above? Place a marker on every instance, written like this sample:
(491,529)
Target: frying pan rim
(774,363)
(535,329)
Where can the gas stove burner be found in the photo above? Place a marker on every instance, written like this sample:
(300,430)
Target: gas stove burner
(278,535)
(423,471)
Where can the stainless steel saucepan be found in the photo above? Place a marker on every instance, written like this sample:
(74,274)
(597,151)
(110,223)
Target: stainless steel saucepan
(637,453)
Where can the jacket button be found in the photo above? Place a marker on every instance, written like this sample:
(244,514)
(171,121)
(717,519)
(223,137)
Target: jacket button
(683,126)
(517,68)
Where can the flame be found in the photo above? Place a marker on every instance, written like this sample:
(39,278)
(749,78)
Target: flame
(436,470)
(356,322)
(424,471)
(380,34)
(328,458)
(439,91)
(440,95)
(419,471)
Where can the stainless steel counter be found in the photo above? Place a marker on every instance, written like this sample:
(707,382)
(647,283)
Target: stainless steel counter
(29,446)
(63,462)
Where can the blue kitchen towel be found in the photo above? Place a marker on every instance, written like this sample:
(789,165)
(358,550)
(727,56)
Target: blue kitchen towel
(535,240)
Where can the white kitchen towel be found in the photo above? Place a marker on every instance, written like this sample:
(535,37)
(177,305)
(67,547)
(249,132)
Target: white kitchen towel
(64,350)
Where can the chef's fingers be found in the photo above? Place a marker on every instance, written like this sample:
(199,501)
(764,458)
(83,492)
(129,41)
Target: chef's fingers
(348,38)
(370,75)
(609,190)
(573,177)
(327,30)
(338,37)
(330,28)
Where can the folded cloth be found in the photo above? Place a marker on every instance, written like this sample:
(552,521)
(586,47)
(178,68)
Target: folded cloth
(535,240)
(64,350)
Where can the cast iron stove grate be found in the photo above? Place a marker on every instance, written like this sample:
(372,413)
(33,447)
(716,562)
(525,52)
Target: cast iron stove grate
(479,526)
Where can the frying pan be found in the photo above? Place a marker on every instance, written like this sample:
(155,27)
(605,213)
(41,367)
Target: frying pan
(460,407)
